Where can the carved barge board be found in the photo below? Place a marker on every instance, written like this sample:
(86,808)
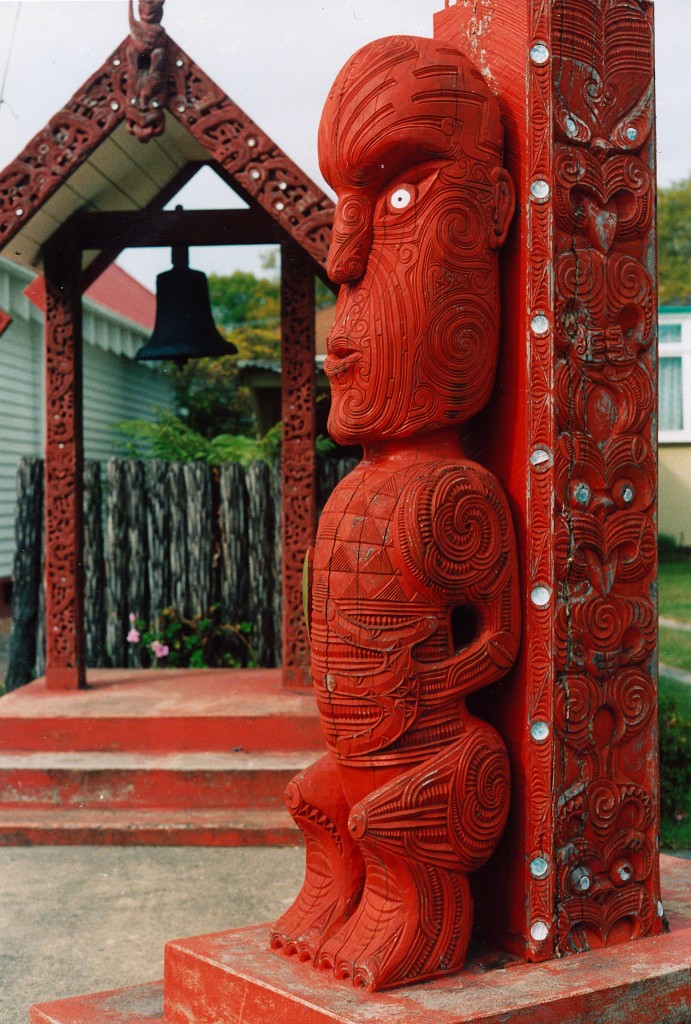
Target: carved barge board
(577,383)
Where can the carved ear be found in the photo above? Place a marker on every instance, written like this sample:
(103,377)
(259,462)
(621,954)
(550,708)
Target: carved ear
(504,205)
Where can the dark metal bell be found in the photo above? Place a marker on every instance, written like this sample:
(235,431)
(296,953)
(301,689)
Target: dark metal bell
(184,327)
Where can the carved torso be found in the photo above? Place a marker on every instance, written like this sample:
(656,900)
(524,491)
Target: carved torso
(401,546)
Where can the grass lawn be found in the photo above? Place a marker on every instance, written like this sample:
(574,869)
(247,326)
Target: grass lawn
(675,648)
(675,589)
(675,835)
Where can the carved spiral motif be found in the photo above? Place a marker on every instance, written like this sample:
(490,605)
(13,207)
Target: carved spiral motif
(454,532)
(480,799)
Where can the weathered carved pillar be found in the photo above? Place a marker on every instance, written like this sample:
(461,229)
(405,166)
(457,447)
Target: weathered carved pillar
(65,662)
(571,435)
(298,458)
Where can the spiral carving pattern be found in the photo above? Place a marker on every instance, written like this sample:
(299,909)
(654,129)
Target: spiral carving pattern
(480,805)
(455,533)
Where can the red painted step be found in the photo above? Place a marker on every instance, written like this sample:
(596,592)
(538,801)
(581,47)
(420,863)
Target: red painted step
(167,710)
(113,781)
(169,757)
(148,827)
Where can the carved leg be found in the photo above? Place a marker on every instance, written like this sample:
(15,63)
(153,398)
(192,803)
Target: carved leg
(420,835)
(334,868)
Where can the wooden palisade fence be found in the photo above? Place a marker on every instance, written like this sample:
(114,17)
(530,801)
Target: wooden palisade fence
(159,535)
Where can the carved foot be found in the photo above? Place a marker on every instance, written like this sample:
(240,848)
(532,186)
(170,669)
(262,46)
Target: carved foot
(334,868)
(396,935)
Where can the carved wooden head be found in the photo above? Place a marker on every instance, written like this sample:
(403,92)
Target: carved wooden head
(411,141)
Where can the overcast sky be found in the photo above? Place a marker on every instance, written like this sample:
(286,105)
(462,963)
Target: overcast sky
(276,59)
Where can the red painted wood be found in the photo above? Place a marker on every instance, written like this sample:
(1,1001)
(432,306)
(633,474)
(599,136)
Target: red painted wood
(64,527)
(298,462)
(580,388)
(413,598)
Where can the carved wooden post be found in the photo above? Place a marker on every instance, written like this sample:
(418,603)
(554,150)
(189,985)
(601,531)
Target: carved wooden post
(298,459)
(65,662)
(571,435)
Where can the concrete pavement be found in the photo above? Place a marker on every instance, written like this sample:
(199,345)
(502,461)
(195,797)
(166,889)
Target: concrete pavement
(83,919)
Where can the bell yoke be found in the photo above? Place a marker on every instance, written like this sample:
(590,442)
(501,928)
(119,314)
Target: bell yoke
(413,599)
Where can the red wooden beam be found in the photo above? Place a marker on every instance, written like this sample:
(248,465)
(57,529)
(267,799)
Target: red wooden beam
(298,453)
(65,663)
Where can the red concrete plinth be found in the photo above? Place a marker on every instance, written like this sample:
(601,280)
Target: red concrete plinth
(232,977)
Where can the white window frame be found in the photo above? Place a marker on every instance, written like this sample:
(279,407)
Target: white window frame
(681,349)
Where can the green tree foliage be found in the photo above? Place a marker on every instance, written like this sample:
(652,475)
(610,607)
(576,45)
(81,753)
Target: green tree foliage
(247,310)
(674,243)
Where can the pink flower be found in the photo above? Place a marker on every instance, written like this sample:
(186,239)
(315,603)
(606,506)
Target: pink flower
(133,636)
(133,617)
(159,649)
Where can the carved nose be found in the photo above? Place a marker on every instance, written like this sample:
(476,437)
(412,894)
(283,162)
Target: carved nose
(351,238)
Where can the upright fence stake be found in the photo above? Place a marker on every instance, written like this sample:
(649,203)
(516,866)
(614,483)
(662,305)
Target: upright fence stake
(137,599)
(116,563)
(200,518)
(177,540)
(157,522)
(27,573)
(233,519)
(260,559)
(94,569)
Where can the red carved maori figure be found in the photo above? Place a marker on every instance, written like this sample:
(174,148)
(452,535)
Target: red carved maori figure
(413,599)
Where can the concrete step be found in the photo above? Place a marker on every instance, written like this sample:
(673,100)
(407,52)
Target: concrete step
(147,827)
(95,780)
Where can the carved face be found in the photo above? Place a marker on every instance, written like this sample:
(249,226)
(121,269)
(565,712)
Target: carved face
(151,11)
(410,140)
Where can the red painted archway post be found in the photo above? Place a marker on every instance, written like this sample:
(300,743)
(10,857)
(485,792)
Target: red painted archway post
(298,452)
(65,658)
(571,434)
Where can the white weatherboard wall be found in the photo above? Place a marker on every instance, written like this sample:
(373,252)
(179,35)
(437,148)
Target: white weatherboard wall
(115,387)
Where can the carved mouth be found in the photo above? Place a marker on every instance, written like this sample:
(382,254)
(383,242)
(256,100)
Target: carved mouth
(341,356)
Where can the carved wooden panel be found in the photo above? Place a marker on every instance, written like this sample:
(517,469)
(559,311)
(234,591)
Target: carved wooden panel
(574,82)
(605,475)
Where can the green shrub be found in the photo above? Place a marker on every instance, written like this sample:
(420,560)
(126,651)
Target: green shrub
(204,641)
(169,438)
(675,766)
(667,548)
